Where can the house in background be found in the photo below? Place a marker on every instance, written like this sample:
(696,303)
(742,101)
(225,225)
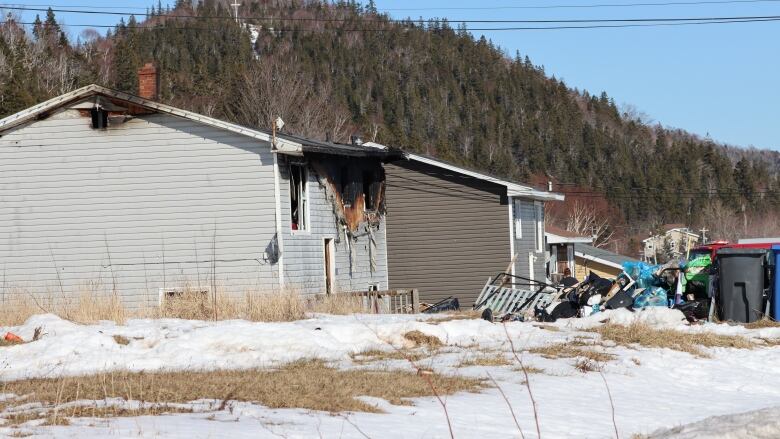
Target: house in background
(673,241)
(449,229)
(569,250)
(102,191)
(560,247)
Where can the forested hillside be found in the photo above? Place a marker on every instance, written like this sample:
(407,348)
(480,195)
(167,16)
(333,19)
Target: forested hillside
(333,70)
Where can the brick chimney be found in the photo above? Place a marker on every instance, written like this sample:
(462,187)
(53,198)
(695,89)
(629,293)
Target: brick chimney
(148,81)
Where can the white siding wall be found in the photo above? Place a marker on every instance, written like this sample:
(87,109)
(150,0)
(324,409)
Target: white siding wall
(525,247)
(134,208)
(304,254)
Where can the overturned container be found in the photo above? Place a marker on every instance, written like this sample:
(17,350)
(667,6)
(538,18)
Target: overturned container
(741,272)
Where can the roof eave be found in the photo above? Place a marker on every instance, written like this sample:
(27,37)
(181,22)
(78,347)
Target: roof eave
(599,260)
(552,238)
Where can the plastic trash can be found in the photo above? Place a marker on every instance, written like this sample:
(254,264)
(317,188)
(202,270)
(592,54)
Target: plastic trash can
(741,273)
(774,306)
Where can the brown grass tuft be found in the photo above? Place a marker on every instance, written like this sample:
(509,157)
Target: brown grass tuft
(648,336)
(375,355)
(341,304)
(586,365)
(529,369)
(763,323)
(468,314)
(486,360)
(87,307)
(420,339)
(568,350)
(304,384)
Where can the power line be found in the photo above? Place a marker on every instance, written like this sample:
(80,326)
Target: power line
(590,6)
(528,28)
(482,8)
(407,21)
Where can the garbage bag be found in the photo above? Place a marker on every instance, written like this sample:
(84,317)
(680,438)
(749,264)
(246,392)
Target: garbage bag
(653,296)
(697,275)
(642,273)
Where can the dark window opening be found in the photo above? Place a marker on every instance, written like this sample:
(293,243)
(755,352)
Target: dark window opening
(344,188)
(368,192)
(99,118)
(298,198)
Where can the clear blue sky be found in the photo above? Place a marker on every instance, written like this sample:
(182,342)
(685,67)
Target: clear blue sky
(722,79)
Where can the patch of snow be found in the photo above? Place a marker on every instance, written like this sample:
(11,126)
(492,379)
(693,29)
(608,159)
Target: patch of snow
(651,388)
(758,424)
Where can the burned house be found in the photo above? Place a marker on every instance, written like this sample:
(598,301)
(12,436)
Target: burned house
(450,228)
(103,191)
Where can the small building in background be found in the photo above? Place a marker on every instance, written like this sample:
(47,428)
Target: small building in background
(673,241)
(561,247)
(572,253)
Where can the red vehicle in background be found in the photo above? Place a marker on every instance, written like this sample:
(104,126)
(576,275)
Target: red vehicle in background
(712,248)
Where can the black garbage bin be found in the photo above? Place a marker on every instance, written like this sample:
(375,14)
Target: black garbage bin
(741,274)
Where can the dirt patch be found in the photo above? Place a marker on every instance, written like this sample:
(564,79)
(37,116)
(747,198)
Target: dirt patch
(121,340)
(421,339)
(305,384)
(651,337)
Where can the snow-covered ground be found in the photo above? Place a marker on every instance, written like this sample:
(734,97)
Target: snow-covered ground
(652,389)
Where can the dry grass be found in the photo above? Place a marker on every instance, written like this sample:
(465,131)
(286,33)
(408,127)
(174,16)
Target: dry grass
(375,355)
(530,369)
(571,350)
(648,336)
(63,414)
(486,360)
(763,323)
(341,304)
(305,384)
(468,314)
(87,307)
(421,339)
(192,304)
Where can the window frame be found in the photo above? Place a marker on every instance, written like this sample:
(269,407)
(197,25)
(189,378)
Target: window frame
(304,200)
(539,229)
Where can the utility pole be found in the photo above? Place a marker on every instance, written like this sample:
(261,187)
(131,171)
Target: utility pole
(703,231)
(235,8)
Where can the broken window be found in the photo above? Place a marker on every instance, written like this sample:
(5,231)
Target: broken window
(298,198)
(99,118)
(368,195)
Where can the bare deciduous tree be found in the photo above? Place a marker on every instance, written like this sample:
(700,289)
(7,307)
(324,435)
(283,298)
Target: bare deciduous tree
(274,89)
(585,220)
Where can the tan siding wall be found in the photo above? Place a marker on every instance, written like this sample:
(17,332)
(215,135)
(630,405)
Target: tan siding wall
(583,267)
(446,234)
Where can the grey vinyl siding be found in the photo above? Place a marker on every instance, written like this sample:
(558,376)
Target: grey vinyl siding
(304,251)
(525,246)
(133,209)
(446,233)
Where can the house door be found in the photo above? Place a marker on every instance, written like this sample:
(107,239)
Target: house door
(330,263)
